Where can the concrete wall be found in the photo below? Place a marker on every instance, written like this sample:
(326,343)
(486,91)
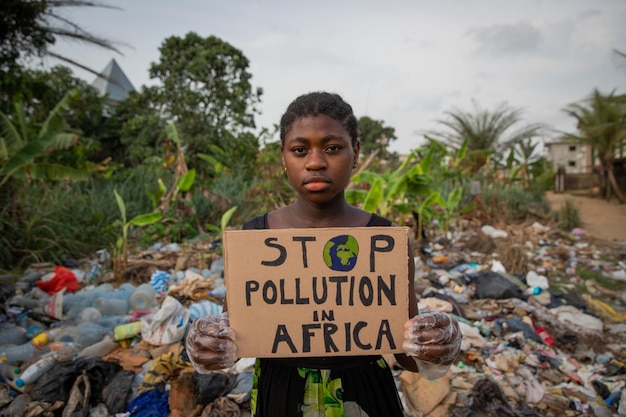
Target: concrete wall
(575,158)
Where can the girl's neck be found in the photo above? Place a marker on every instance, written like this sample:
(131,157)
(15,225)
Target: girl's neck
(334,214)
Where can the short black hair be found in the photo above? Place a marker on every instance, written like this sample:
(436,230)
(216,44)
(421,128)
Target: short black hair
(316,103)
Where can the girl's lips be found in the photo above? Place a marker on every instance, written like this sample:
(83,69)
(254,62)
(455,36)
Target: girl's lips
(316,185)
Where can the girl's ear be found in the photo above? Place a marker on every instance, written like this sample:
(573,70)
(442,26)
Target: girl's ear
(357,151)
(282,158)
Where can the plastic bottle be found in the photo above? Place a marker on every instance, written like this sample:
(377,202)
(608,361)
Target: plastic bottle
(217,266)
(45,338)
(8,372)
(33,328)
(218,292)
(10,334)
(18,353)
(143,299)
(26,302)
(103,347)
(111,322)
(90,314)
(37,369)
(111,306)
(94,273)
(128,289)
(127,331)
(81,335)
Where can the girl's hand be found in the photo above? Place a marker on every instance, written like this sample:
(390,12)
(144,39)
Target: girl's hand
(210,343)
(432,338)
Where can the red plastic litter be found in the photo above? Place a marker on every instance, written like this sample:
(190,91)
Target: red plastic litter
(62,278)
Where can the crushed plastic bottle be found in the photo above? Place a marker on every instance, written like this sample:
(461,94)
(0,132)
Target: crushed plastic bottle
(143,299)
(218,292)
(18,353)
(37,369)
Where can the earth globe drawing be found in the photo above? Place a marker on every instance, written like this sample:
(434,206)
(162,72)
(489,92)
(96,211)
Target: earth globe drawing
(341,253)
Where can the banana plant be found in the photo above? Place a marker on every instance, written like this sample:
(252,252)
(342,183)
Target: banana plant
(424,215)
(183,177)
(224,221)
(21,145)
(121,246)
(451,207)
(389,190)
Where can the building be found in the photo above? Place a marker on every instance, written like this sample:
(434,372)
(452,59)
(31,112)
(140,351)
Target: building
(574,157)
(113,82)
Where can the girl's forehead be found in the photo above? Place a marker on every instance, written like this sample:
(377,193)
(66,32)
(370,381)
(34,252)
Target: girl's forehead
(316,124)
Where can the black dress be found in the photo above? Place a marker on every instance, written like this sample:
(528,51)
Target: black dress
(346,386)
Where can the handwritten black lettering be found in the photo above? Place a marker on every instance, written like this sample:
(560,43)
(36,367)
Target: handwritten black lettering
(281,249)
(374,248)
(303,240)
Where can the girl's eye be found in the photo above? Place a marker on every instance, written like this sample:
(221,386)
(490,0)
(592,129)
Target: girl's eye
(299,150)
(333,148)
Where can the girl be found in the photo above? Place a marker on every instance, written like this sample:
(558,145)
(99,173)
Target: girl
(320,148)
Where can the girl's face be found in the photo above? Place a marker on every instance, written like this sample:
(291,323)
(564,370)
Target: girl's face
(319,156)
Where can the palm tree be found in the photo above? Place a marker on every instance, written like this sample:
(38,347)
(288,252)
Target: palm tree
(486,130)
(601,123)
(60,27)
(29,28)
(524,157)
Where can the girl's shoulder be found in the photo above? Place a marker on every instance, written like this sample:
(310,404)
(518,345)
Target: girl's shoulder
(257,222)
(376,220)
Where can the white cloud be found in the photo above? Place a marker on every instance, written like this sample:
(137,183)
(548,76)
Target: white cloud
(502,40)
(404,62)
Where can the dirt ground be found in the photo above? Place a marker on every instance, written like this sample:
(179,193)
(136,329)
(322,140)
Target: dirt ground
(602,219)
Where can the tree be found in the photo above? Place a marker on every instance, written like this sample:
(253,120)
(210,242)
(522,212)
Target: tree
(601,123)
(486,130)
(524,161)
(21,33)
(142,133)
(206,89)
(374,135)
(28,28)
(42,90)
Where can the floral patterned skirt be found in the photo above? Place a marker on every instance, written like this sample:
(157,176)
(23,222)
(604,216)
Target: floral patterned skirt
(350,387)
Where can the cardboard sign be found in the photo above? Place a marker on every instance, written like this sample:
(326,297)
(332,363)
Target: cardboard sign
(317,292)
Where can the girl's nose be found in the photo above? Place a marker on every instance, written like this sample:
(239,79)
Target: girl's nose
(316,160)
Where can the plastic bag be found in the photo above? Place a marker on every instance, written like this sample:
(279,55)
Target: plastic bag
(63,278)
(118,393)
(493,285)
(167,325)
(56,384)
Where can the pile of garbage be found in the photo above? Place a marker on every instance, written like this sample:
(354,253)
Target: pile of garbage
(542,314)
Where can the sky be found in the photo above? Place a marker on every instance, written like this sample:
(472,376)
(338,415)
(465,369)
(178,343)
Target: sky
(405,63)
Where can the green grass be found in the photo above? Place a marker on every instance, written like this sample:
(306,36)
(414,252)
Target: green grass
(586,274)
(568,216)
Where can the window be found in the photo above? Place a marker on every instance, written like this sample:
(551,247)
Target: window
(572,148)
(571,163)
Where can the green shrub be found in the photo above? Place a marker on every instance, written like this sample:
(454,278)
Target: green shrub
(568,216)
(52,221)
(514,203)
